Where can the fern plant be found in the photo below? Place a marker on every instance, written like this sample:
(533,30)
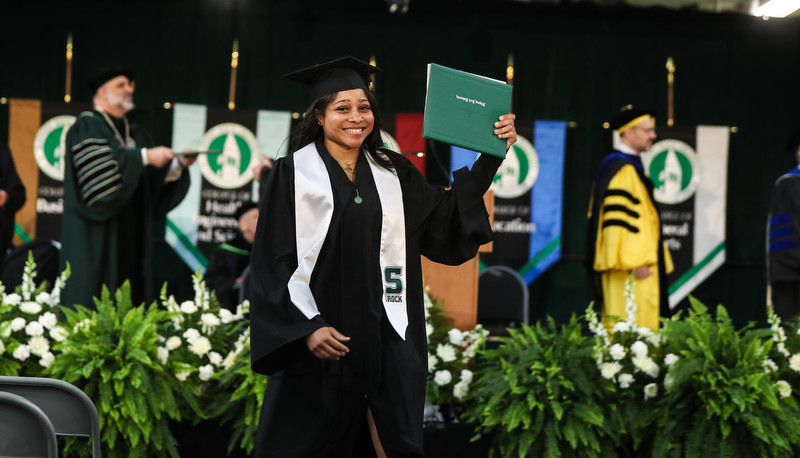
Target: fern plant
(721,400)
(111,354)
(540,394)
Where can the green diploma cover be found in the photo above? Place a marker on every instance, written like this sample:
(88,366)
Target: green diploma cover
(461,109)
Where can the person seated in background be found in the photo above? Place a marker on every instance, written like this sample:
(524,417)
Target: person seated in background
(229,260)
(260,172)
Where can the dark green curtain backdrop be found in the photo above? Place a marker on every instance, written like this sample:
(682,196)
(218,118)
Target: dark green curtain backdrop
(574,62)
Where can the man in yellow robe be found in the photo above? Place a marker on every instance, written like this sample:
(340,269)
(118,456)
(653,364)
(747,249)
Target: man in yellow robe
(624,234)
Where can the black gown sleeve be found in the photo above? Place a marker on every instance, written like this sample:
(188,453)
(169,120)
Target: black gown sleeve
(165,196)
(277,327)
(451,225)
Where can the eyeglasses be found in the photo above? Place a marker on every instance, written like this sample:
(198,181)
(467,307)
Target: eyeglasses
(649,130)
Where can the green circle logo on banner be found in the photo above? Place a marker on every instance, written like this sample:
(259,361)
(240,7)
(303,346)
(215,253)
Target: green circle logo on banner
(230,168)
(518,172)
(48,146)
(673,167)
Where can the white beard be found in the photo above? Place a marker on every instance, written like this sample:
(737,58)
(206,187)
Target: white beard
(121,102)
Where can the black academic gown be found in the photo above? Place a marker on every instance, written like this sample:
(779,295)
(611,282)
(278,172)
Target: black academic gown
(783,245)
(226,265)
(318,408)
(12,185)
(110,202)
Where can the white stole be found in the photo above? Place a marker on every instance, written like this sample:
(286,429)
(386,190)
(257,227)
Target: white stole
(313,213)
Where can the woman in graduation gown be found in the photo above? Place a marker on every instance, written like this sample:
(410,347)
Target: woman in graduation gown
(337,314)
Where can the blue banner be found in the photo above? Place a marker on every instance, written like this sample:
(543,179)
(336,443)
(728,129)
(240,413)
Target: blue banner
(528,210)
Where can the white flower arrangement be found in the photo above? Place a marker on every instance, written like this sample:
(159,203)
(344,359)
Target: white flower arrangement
(617,351)
(450,353)
(794,362)
(29,324)
(782,357)
(629,354)
(442,377)
(200,332)
(625,380)
(446,352)
(639,348)
(784,389)
(610,370)
(241,343)
(206,372)
(200,346)
(778,334)
(670,359)
(22,352)
(650,390)
(770,366)
(173,343)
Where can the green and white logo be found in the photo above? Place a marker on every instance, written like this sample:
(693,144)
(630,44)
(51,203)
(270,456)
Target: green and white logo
(673,167)
(518,172)
(229,169)
(48,146)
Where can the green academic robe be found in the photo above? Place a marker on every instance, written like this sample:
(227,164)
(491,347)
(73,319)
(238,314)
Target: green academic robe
(110,202)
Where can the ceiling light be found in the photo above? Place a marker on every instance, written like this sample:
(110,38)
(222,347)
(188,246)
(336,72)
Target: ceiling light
(397,6)
(777,8)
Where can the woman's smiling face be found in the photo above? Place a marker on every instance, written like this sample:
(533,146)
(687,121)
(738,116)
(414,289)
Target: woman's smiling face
(347,120)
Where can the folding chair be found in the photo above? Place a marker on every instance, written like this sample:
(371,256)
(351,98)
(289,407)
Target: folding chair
(502,300)
(69,410)
(25,430)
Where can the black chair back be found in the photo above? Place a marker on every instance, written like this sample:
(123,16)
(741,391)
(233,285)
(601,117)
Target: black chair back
(502,299)
(24,429)
(69,410)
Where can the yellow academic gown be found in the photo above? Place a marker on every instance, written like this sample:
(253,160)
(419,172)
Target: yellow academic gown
(628,236)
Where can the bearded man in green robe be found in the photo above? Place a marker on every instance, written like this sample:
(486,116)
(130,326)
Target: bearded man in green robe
(116,182)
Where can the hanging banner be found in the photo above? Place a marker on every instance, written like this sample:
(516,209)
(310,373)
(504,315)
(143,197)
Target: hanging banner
(689,169)
(528,209)
(402,133)
(222,179)
(37,132)
(408,130)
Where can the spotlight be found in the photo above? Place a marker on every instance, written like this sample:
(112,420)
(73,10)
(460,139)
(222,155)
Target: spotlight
(397,6)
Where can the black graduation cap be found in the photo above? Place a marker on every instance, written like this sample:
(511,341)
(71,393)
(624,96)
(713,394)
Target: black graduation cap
(244,208)
(106,74)
(794,143)
(629,116)
(334,76)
